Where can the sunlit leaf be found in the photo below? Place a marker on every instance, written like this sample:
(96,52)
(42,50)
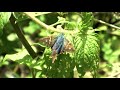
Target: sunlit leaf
(87,20)
(4,18)
(87,53)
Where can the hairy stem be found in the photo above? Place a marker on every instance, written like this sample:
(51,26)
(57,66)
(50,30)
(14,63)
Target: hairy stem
(47,26)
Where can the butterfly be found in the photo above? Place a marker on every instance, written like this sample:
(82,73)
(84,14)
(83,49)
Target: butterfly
(58,45)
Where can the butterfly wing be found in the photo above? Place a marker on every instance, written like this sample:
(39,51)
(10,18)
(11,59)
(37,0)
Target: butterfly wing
(48,41)
(68,47)
(61,48)
(58,44)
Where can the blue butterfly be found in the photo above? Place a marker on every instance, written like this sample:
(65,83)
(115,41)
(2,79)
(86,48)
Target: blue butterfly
(58,45)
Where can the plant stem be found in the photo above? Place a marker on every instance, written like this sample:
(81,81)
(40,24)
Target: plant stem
(113,26)
(47,26)
(19,33)
(38,13)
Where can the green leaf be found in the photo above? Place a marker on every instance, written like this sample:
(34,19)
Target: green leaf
(61,68)
(87,21)
(19,16)
(2,62)
(1,32)
(4,18)
(31,28)
(60,19)
(8,43)
(87,53)
(23,57)
(70,25)
(16,56)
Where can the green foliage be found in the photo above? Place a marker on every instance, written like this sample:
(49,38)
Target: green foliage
(85,57)
(9,41)
(87,19)
(87,47)
(22,57)
(111,54)
(85,41)
(19,16)
(4,18)
(63,66)
(31,28)
(87,53)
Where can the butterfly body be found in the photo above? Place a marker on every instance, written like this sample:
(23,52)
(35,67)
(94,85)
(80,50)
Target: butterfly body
(58,45)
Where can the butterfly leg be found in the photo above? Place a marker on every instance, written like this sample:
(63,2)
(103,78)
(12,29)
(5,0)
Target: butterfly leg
(54,56)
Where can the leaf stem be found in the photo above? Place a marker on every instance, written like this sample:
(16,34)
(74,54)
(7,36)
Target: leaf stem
(47,26)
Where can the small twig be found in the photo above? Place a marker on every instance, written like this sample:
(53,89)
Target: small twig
(113,26)
(16,68)
(22,71)
(47,26)
(38,13)
(59,23)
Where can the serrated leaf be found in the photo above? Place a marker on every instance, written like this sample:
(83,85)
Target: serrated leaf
(87,53)
(87,20)
(63,66)
(4,18)
(70,25)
